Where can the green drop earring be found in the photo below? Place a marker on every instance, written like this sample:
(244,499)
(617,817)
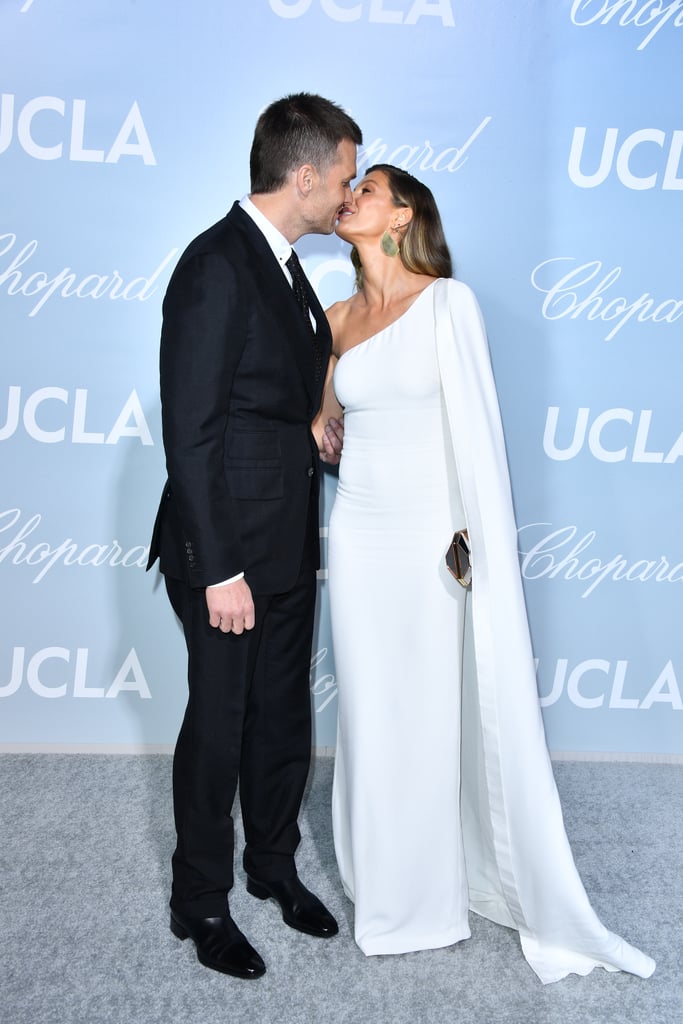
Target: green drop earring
(389,247)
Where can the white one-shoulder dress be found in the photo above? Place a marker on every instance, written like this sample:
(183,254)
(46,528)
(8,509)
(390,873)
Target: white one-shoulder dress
(444,799)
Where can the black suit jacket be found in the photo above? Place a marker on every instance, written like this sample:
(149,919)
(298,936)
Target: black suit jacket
(238,396)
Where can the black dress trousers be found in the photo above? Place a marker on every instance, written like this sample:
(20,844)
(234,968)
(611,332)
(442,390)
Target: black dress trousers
(247,722)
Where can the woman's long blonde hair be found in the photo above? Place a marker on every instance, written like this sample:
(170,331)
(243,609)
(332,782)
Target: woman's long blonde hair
(423,248)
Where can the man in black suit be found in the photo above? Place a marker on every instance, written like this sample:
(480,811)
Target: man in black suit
(244,348)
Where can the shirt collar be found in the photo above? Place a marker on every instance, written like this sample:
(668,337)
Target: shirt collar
(275,239)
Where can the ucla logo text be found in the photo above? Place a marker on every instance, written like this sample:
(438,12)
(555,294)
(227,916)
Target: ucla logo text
(46,413)
(596,683)
(372,10)
(630,442)
(52,672)
(658,154)
(49,128)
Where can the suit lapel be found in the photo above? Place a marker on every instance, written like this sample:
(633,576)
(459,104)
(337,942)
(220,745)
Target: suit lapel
(273,284)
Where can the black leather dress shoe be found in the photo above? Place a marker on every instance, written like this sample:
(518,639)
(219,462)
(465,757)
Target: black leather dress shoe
(220,944)
(300,908)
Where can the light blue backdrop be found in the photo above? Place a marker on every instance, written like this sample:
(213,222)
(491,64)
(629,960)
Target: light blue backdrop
(551,134)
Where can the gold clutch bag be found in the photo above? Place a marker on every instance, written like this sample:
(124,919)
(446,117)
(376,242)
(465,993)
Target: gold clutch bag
(459,559)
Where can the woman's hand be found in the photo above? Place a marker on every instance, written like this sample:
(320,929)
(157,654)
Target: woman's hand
(332,441)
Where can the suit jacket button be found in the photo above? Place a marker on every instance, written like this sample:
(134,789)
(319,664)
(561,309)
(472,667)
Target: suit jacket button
(311,471)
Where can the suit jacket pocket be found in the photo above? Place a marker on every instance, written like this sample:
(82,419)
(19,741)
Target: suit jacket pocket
(253,465)
(254,481)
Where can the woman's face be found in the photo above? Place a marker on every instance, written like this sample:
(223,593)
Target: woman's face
(371,211)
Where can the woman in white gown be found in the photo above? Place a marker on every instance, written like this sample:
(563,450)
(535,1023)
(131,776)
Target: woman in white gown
(444,798)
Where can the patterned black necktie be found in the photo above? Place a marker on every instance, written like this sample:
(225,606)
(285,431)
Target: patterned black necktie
(299,289)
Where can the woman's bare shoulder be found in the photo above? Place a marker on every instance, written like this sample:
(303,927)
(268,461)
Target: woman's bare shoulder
(338,311)
(338,316)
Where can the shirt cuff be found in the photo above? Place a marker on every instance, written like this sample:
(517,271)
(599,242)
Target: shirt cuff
(233,579)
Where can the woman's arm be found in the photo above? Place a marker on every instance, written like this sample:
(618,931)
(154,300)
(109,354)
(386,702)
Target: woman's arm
(330,409)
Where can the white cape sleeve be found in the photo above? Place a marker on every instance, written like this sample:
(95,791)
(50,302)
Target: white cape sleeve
(519,863)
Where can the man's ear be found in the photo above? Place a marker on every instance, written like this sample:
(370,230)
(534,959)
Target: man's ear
(305,178)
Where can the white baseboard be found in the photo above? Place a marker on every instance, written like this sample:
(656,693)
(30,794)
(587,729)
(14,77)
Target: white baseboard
(166,748)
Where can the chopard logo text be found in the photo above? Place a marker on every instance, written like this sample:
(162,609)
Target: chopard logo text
(421,156)
(20,279)
(562,554)
(648,17)
(574,291)
(20,547)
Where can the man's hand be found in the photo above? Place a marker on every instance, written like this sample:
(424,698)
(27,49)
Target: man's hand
(231,607)
(333,440)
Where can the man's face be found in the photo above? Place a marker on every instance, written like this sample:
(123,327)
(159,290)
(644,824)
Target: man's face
(331,190)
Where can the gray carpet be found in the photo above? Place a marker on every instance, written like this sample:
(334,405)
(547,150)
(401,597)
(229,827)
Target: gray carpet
(84,936)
